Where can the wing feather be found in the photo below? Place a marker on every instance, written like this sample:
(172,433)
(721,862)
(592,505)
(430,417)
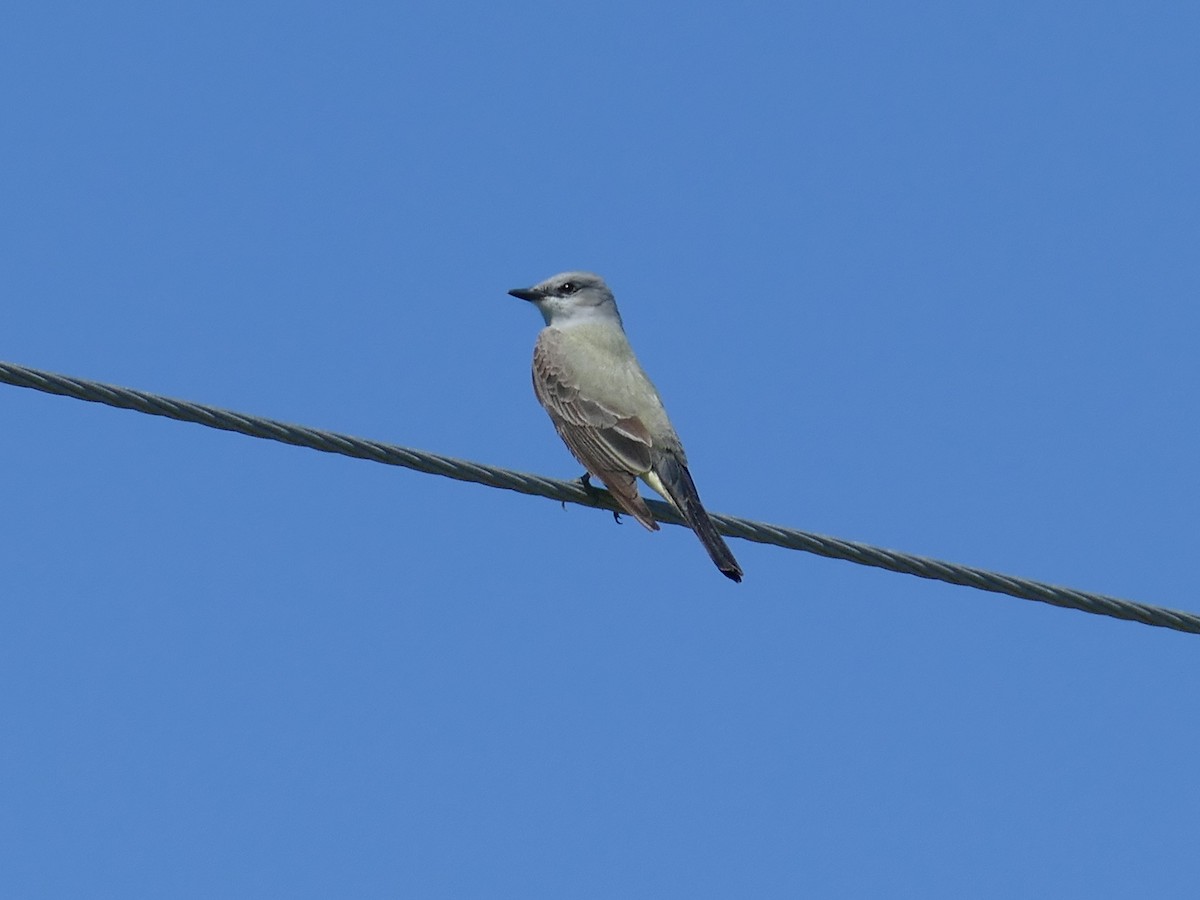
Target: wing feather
(614,448)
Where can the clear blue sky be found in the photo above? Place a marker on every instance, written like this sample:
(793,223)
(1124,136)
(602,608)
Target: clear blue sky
(923,276)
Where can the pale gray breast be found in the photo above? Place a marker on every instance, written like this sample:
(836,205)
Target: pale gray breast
(598,360)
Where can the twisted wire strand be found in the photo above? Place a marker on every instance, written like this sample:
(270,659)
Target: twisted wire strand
(574,492)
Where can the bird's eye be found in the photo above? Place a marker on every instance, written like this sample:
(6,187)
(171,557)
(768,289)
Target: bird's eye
(569,287)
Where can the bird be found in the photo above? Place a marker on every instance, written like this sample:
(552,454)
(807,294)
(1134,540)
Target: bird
(606,409)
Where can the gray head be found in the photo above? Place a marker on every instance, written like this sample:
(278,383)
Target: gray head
(571,297)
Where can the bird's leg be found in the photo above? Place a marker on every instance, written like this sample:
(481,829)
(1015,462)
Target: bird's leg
(590,489)
(585,481)
(594,492)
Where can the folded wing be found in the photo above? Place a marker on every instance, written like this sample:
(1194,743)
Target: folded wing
(614,448)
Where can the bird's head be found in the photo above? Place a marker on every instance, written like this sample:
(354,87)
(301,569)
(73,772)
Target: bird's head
(571,297)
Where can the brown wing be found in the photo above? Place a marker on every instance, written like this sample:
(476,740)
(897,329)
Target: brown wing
(612,447)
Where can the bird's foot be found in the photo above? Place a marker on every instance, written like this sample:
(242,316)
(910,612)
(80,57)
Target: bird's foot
(594,493)
(585,480)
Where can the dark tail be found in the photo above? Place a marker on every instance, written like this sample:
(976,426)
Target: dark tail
(678,481)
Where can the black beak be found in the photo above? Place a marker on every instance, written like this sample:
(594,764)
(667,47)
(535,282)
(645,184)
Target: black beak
(527,294)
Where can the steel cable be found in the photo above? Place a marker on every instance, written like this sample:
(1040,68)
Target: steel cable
(574,492)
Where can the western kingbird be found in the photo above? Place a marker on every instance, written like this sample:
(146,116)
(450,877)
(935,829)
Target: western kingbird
(605,408)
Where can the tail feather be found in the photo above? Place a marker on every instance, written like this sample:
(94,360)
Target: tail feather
(677,480)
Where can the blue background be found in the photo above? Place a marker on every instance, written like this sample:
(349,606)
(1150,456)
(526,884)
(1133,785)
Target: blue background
(923,276)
